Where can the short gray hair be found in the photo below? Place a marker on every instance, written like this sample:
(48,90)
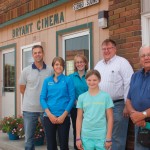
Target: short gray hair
(142,47)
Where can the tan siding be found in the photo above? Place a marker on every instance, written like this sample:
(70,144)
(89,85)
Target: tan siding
(48,35)
(51,46)
(69,13)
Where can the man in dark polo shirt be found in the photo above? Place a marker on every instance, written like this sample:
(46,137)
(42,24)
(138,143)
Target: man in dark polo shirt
(138,99)
(31,82)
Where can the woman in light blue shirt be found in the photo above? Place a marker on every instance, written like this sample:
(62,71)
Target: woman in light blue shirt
(81,66)
(57,99)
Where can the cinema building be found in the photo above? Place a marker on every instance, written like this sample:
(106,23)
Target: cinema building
(65,28)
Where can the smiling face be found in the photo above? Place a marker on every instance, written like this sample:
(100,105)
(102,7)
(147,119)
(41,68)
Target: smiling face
(80,64)
(37,54)
(58,65)
(93,81)
(108,51)
(58,68)
(145,58)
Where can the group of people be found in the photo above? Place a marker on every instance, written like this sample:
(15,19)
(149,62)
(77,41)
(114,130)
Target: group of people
(99,101)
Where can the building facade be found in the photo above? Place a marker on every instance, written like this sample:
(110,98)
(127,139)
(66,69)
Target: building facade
(65,28)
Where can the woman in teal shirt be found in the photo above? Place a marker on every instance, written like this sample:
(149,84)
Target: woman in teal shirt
(81,66)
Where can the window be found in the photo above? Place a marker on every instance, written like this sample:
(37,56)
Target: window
(27,57)
(145,21)
(76,43)
(69,66)
(27,54)
(9,71)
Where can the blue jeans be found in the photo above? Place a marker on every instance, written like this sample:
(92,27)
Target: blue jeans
(120,127)
(138,146)
(63,134)
(30,122)
(73,114)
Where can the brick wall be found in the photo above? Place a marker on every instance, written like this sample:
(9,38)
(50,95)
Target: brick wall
(125,29)
(10,9)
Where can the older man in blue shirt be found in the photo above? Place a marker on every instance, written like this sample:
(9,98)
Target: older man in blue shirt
(138,102)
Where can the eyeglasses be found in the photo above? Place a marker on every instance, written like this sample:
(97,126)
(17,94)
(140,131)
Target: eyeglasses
(144,55)
(108,49)
(79,62)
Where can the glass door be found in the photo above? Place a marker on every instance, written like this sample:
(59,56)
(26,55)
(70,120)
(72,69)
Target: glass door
(8,89)
(73,44)
(76,43)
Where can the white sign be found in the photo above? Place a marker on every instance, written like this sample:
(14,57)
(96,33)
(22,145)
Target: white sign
(84,3)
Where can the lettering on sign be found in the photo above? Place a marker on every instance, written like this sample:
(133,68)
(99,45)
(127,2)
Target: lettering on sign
(84,3)
(40,24)
(23,30)
(50,21)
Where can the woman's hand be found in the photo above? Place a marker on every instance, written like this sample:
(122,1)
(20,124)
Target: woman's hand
(61,118)
(52,118)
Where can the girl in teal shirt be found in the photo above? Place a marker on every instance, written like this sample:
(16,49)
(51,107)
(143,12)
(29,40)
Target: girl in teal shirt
(95,116)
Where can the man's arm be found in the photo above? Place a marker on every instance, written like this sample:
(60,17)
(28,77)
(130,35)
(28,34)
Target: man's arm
(136,116)
(148,112)
(22,89)
(129,106)
(132,110)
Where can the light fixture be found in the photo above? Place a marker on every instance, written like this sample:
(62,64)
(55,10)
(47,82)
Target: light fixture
(103,19)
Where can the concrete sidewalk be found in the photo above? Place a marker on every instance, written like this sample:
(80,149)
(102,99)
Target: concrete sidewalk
(6,144)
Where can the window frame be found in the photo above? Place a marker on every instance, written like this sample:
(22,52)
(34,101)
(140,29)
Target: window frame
(3,53)
(75,35)
(71,30)
(26,47)
(145,21)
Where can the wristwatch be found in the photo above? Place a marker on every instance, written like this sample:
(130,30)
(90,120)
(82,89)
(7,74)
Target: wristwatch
(144,113)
